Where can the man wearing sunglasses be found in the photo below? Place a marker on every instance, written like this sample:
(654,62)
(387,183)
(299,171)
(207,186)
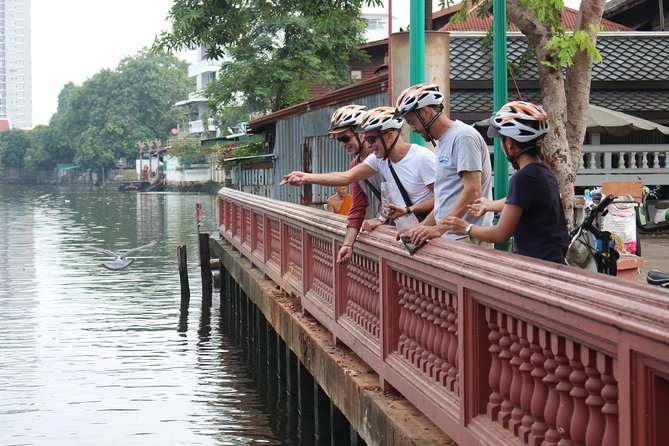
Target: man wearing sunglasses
(464,172)
(344,122)
(414,165)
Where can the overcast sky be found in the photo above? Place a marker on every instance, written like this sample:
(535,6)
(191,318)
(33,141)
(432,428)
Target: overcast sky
(74,39)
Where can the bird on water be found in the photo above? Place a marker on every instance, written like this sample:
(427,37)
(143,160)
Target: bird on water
(120,258)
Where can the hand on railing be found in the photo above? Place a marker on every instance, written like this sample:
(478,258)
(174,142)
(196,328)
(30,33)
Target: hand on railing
(345,254)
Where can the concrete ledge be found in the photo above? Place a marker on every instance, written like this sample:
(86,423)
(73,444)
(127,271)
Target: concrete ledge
(629,267)
(380,419)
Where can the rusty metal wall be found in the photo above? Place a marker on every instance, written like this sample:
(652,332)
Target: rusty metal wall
(326,155)
(257,181)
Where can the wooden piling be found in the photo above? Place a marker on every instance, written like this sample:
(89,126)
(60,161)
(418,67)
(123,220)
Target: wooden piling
(205,268)
(183,277)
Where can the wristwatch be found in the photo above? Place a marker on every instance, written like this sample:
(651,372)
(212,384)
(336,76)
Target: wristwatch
(381,218)
(468,230)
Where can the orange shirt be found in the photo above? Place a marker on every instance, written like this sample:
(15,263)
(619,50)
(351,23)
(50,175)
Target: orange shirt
(346,205)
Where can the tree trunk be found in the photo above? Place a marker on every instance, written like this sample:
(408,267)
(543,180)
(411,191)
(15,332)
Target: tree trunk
(565,101)
(428,15)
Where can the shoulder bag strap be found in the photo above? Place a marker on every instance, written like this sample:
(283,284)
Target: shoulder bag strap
(405,195)
(375,191)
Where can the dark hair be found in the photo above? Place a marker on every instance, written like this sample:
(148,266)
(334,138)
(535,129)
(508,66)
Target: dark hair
(532,147)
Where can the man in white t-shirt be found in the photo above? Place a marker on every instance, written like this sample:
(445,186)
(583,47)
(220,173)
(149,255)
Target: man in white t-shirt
(464,172)
(414,165)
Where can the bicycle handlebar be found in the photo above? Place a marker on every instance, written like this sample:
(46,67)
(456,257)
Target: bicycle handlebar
(599,209)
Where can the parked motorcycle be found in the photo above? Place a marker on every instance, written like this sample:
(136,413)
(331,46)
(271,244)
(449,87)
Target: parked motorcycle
(653,214)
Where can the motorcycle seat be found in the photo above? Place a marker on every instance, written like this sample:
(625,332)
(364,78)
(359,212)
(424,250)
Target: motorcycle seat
(656,277)
(662,205)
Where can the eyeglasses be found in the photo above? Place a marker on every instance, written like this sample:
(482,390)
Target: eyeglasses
(344,138)
(370,139)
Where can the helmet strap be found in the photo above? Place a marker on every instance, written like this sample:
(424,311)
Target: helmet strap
(387,149)
(427,126)
(359,143)
(513,157)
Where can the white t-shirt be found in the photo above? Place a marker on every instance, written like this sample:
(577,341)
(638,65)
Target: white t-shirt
(416,171)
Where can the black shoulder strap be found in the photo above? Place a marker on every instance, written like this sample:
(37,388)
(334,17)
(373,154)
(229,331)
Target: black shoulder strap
(375,191)
(405,195)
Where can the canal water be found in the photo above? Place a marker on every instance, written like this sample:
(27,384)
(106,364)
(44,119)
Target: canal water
(92,356)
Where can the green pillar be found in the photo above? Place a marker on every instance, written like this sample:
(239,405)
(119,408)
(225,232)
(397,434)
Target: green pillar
(500,83)
(417,50)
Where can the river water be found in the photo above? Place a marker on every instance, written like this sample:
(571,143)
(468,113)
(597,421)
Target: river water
(91,356)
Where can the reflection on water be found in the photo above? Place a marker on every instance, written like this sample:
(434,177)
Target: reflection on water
(91,356)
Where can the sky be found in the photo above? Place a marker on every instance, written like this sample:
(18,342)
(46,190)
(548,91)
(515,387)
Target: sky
(72,40)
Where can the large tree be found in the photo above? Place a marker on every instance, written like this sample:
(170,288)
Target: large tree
(273,50)
(565,69)
(13,146)
(103,119)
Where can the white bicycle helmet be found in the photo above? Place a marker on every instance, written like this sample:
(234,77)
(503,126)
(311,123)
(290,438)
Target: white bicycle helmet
(345,117)
(380,119)
(519,120)
(417,97)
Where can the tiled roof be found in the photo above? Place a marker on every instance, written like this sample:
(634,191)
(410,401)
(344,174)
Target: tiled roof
(474,23)
(632,57)
(627,101)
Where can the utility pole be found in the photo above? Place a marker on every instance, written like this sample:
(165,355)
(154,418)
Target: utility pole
(417,50)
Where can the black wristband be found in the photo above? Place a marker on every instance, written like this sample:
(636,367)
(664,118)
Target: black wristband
(408,209)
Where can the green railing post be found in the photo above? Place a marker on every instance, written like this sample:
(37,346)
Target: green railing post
(417,50)
(500,83)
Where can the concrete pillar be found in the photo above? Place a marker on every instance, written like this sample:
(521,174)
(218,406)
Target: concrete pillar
(305,386)
(339,426)
(321,413)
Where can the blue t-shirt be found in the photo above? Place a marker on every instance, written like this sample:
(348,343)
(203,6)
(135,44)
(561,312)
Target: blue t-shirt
(542,230)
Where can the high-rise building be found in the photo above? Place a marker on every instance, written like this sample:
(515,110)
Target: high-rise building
(15,63)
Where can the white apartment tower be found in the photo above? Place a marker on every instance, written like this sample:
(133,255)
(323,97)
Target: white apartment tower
(15,63)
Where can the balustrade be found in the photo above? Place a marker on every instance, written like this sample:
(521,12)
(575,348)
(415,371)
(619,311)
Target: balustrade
(600,163)
(495,348)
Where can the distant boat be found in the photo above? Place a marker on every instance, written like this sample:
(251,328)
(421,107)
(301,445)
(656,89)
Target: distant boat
(120,261)
(156,187)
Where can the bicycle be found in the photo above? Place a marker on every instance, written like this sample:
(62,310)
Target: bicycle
(590,248)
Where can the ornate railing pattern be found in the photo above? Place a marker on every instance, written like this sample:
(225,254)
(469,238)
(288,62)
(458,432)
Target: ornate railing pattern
(495,348)
(362,304)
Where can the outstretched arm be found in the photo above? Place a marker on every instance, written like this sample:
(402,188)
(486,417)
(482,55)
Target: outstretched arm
(358,173)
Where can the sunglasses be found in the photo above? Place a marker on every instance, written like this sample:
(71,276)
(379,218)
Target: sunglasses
(344,138)
(370,139)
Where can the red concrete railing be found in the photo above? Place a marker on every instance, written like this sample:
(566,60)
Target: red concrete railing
(494,348)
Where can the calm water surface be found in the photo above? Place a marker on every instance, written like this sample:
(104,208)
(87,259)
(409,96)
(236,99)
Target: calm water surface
(91,356)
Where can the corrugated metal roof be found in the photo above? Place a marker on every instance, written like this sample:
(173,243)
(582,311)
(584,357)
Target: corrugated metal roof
(356,90)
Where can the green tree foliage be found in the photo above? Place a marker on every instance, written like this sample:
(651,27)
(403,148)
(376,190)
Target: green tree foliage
(565,62)
(13,146)
(273,50)
(103,119)
(38,156)
(188,150)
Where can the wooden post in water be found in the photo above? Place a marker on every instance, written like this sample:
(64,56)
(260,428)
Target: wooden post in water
(185,288)
(205,268)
